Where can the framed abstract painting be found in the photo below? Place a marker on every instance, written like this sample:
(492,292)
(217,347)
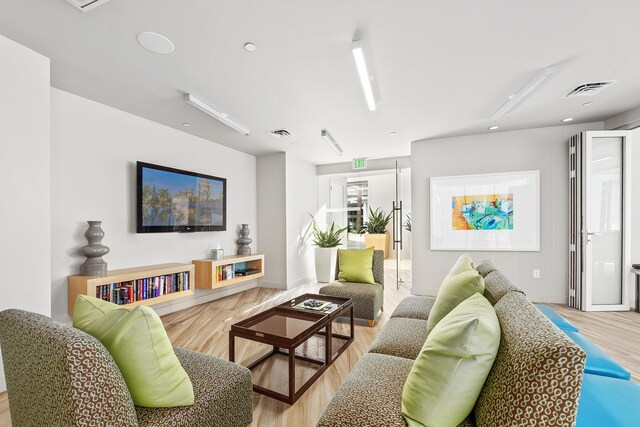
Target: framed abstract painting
(488,212)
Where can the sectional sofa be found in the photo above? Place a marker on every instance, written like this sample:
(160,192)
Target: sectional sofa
(536,380)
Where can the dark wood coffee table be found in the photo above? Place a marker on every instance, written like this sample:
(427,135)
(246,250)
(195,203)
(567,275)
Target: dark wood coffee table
(286,327)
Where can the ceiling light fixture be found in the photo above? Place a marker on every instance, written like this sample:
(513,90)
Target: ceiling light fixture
(568,119)
(156,43)
(494,127)
(524,91)
(332,142)
(186,125)
(363,73)
(250,47)
(224,118)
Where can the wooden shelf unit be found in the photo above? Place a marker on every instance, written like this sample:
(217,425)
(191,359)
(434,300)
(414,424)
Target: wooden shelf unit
(86,285)
(206,277)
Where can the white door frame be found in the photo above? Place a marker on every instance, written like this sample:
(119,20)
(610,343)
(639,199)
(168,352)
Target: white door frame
(587,279)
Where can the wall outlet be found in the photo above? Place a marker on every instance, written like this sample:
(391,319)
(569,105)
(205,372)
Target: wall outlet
(536,274)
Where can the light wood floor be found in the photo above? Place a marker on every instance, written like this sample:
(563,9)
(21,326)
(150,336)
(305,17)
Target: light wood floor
(205,328)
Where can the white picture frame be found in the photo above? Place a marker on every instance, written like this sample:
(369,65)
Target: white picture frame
(486,212)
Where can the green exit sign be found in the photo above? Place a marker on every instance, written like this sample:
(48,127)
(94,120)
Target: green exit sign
(359,164)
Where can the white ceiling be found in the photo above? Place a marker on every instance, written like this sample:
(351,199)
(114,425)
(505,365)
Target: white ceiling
(440,67)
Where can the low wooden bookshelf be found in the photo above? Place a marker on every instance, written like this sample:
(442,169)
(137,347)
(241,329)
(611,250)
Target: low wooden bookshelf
(87,285)
(206,270)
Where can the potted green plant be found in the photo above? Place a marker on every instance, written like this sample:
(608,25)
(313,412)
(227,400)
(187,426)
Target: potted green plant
(326,242)
(376,228)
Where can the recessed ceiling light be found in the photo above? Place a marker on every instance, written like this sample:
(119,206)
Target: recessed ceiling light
(494,127)
(186,125)
(156,43)
(250,47)
(586,104)
(568,119)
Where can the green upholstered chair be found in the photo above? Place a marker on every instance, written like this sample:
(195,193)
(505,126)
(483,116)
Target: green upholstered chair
(60,376)
(368,298)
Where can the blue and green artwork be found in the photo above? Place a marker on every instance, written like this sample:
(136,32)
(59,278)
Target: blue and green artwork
(482,212)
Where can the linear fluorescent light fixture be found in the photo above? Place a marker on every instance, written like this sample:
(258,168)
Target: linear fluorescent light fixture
(363,73)
(332,142)
(524,91)
(218,115)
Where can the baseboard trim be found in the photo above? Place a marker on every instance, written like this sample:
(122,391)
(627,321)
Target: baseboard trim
(273,285)
(300,282)
(203,296)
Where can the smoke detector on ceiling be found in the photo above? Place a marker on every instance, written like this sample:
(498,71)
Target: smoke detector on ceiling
(589,89)
(87,5)
(279,133)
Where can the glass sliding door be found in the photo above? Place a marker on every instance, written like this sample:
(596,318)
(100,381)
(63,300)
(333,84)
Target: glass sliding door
(605,221)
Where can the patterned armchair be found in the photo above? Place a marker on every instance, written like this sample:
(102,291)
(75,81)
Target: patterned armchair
(60,376)
(368,298)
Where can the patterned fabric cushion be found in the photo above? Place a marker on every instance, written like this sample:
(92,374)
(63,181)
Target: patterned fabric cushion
(537,375)
(485,267)
(367,298)
(496,286)
(401,337)
(414,307)
(223,393)
(371,395)
(60,376)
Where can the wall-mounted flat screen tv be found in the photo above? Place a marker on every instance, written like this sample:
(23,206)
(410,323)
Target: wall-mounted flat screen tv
(173,200)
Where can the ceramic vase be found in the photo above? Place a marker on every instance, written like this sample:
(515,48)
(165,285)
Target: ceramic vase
(244,241)
(94,251)
(326,264)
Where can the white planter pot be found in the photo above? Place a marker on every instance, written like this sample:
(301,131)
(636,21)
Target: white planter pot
(326,264)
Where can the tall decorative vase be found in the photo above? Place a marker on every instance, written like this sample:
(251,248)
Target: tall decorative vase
(94,251)
(326,264)
(244,241)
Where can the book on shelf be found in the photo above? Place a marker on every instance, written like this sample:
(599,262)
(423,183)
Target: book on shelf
(142,289)
(225,272)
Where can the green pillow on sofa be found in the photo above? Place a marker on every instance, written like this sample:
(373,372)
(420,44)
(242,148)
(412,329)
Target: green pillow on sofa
(448,374)
(138,343)
(356,265)
(464,263)
(453,290)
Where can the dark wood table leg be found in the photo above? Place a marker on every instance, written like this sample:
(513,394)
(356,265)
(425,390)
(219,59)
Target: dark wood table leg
(329,344)
(232,347)
(351,320)
(292,375)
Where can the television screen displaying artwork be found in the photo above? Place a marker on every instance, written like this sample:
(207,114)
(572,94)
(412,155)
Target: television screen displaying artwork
(173,200)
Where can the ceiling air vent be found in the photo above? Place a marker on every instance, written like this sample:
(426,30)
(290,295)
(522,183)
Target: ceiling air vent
(87,5)
(589,89)
(279,133)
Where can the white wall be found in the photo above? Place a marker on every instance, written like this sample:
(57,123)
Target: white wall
(544,149)
(302,199)
(25,171)
(287,193)
(95,148)
(272,221)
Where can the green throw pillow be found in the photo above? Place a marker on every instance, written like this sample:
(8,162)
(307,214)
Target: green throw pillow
(138,343)
(356,265)
(454,290)
(448,374)
(464,263)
